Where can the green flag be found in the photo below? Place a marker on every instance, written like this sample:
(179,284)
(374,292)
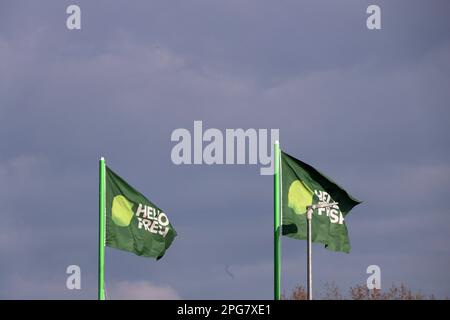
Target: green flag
(133,223)
(302,186)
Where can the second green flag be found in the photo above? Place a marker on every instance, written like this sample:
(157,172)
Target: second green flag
(302,186)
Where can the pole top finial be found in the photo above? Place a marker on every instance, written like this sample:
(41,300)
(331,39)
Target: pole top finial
(102,159)
(277,142)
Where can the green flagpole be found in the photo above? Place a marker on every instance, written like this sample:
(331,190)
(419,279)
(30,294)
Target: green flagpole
(101,233)
(276,220)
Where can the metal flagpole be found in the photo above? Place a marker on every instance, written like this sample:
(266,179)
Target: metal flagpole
(101,231)
(309,214)
(276,220)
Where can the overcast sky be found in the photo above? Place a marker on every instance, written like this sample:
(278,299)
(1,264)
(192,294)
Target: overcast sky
(368,108)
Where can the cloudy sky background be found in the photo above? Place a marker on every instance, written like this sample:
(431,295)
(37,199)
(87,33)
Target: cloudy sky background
(368,108)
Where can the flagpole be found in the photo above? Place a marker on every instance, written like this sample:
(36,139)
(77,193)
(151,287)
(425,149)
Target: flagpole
(277,244)
(101,233)
(309,213)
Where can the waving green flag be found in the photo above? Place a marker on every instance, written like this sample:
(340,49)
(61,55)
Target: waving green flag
(133,223)
(302,186)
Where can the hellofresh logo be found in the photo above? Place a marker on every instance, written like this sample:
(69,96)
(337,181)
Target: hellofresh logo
(333,212)
(300,197)
(149,218)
